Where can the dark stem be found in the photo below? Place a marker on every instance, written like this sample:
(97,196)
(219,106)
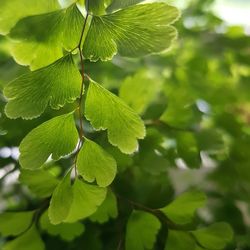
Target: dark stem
(81,131)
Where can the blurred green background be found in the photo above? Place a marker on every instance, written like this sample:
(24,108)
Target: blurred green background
(197,115)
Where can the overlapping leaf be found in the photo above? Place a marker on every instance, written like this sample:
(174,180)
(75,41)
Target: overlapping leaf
(134,31)
(107,210)
(57,137)
(94,163)
(40,182)
(9,14)
(191,201)
(55,85)
(141,231)
(39,39)
(107,111)
(67,199)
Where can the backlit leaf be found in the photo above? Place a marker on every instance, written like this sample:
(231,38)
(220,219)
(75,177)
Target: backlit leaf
(94,163)
(57,137)
(107,111)
(9,14)
(39,39)
(135,31)
(55,85)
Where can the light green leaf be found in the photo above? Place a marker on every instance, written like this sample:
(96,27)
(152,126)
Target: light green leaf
(55,85)
(38,40)
(67,199)
(216,236)
(107,111)
(40,182)
(67,231)
(141,232)
(120,4)
(182,209)
(14,223)
(30,240)
(61,201)
(97,7)
(94,163)
(87,197)
(140,90)
(107,210)
(9,14)
(135,31)
(57,137)
(179,240)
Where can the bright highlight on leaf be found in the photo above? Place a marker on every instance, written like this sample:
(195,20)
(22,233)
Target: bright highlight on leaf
(135,31)
(55,85)
(67,199)
(15,223)
(94,163)
(30,240)
(57,137)
(107,111)
(107,210)
(40,182)
(191,201)
(66,231)
(142,230)
(38,46)
(9,14)
(214,237)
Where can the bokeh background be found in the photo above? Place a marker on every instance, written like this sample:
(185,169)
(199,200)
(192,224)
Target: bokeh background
(197,115)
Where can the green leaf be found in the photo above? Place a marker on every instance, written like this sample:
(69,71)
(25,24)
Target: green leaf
(55,85)
(38,40)
(40,182)
(61,201)
(67,231)
(182,209)
(135,31)
(30,240)
(97,7)
(14,223)
(66,201)
(140,90)
(216,236)
(107,210)
(179,240)
(57,137)
(141,232)
(9,14)
(107,111)
(94,163)
(120,4)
